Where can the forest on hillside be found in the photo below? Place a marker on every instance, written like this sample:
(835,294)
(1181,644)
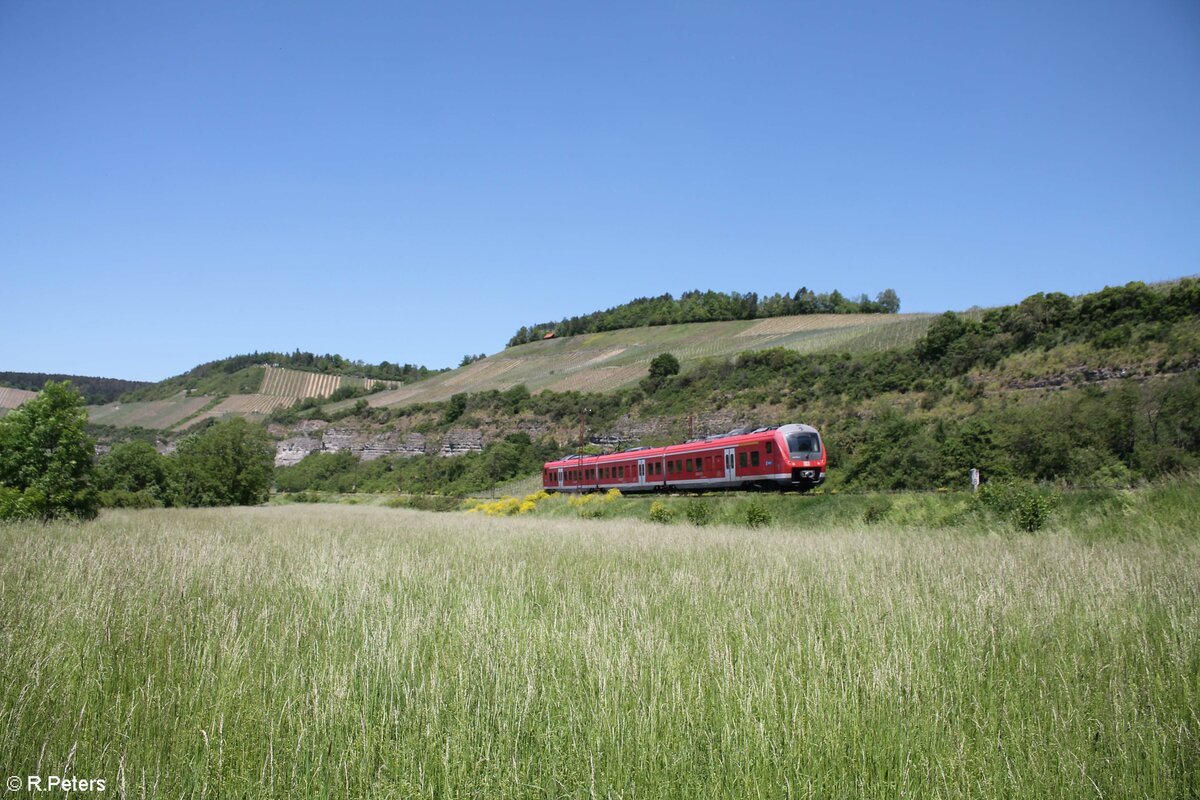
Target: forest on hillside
(95,391)
(709,306)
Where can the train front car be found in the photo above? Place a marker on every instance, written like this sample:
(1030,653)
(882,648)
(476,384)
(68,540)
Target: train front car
(806,456)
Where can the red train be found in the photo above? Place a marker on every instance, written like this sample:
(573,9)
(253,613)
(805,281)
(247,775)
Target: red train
(783,456)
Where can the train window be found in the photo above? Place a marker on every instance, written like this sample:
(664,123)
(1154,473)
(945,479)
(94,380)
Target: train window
(754,459)
(658,468)
(670,467)
(742,459)
(768,448)
(688,468)
(621,471)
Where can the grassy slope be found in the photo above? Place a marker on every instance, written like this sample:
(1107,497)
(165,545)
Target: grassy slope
(364,652)
(593,362)
(239,393)
(600,361)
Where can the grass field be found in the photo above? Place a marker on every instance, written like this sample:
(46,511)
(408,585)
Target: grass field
(338,651)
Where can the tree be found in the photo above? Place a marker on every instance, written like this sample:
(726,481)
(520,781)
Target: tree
(228,464)
(664,366)
(134,467)
(46,468)
(889,301)
(455,408)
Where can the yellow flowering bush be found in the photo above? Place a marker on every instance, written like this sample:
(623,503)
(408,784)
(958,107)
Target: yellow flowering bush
(507,506)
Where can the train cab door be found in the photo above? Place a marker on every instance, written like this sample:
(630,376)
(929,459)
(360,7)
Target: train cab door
(560,477)
(730,471)
(641,472)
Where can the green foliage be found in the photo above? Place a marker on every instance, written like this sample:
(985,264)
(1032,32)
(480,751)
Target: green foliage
(134,468)
(230,463)
(661,512)
(876,510)
(756,514)
(1019,502)
(709,306)
(664,366)
(454,409)
(123,498)
(698,512)
(503,460)
(46,468)
(95,391)
(423,502)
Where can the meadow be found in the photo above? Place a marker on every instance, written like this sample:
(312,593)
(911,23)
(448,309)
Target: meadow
(318,650)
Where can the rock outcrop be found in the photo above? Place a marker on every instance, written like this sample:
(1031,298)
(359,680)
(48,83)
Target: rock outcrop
(292,451)
(460,441)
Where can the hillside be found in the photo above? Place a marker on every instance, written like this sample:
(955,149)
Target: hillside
(614,359)
(1097,390)
(244,374)
(94,389)
(252,392)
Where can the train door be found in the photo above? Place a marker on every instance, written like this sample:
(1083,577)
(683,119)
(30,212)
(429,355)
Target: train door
(730,472)
(641,472)
(560,476)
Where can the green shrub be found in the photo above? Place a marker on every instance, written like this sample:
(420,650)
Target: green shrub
(1018,502)
(422,502)
(876,510)
(661,512)
(1033,512)
(123,498)
(756,514)
(697,512)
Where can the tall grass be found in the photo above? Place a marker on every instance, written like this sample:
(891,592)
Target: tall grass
(324,651)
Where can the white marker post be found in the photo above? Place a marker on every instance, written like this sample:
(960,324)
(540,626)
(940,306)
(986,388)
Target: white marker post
(974,480)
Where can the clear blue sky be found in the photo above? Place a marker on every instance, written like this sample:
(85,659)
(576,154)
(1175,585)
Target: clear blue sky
(413,181)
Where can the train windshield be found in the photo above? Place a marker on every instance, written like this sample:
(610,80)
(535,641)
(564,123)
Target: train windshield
(802,444)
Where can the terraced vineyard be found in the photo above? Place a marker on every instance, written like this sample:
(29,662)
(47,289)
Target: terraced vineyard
(155,414)
(293,383)
(280,388)
(243,405)
(11,398)
(609,360)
